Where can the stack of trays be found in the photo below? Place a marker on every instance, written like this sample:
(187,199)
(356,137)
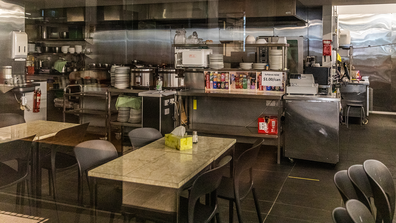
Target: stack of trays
(259,66)
(122,77)
(123,114)
(135,116)
(216,61)
(245,66)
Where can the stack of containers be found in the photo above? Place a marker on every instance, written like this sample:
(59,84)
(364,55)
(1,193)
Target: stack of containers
(122,77)
(275,59)
(216,61)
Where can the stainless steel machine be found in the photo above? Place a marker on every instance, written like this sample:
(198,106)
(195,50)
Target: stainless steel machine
(312,128)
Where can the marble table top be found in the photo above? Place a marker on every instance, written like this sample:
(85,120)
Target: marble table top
(159,165)
(42,129)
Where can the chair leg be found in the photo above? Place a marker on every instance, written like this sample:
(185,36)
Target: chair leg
(80,189)
(50,183)
(347,115)
(256,203)
(218,217)
(231,211)
(239,210)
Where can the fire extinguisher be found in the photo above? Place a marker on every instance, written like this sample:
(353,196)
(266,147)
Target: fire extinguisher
(36,100)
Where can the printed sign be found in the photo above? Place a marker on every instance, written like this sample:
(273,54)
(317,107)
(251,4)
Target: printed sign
(271,78)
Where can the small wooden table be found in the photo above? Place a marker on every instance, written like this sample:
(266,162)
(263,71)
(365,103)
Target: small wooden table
(42,130)
(154,175)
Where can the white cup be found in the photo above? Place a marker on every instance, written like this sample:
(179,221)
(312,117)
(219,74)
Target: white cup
(72,50)
(78,48)
(65,49)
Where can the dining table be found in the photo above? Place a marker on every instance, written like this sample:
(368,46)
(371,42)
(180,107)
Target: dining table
(154,176)
(42,130)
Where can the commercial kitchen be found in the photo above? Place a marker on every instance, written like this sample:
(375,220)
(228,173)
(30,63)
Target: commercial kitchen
(311,81)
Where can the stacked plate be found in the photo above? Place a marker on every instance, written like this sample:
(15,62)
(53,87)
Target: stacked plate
(123,114)
(216,61)
(275,59)
(122,77)
(135,116)
(245,66)
(259,66)
(112,74)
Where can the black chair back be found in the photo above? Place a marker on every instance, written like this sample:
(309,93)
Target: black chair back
(206,183)
(358,212)
(381,182)
(361,184)
(142,136)
(340,215)
(344,186)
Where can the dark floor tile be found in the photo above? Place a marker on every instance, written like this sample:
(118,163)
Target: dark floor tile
(360,157)
(381,147)
(299,213)
(281,219)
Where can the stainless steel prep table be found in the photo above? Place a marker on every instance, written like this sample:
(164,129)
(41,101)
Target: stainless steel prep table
(312,128)
(233,113)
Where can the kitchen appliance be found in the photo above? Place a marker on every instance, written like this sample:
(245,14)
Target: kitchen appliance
(169,77)
(322,76)
(302,84)
(192,57)
(143,78)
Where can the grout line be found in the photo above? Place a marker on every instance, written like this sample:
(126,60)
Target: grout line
(280,190)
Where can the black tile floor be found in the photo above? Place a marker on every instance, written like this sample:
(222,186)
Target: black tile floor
(298,192)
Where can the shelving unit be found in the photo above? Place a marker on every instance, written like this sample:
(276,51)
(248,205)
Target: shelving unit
(94,110)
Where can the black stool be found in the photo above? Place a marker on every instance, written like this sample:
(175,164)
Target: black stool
(355,104)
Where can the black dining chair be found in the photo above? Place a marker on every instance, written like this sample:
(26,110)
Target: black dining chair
(344,186)
(91,154)
(358,212)
(142,136)
(19,151)
(381,182)
(234,189)
(340,215)
(7,119)
(57,158)
(191,209)
(361,183)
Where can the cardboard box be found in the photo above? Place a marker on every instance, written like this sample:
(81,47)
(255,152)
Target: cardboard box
(268,125)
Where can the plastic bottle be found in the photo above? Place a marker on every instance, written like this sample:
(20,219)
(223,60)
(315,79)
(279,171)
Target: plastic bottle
(159,84)
(244,82)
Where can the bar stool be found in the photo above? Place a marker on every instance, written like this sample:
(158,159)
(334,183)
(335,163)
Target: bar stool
(355,104)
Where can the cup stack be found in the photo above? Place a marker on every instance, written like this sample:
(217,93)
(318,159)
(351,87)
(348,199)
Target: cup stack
(122,77)
(135,116)
(112,74)
(216,61)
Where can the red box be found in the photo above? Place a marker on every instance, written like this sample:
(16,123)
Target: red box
(268,125)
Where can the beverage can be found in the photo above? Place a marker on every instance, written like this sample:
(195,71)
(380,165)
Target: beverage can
(219,85)
(226,85)
(214,84)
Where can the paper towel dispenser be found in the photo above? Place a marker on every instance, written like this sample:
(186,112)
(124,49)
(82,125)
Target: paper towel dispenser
(19,46)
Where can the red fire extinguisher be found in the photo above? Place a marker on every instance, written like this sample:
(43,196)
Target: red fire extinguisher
(36,100)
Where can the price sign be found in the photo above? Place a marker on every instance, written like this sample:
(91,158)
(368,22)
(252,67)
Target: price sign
(271,78)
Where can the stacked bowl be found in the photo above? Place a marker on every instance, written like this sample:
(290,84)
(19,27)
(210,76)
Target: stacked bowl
(259,66)
(275,59)
(122,77)
(123,114)
(216,61)
(135,116)
(245,66)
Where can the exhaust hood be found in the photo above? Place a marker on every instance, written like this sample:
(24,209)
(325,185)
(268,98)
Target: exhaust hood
(266,12)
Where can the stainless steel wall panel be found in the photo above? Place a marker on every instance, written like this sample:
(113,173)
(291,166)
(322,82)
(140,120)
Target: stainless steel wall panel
(373,36)
(315,33)
(109,47)
(151,46)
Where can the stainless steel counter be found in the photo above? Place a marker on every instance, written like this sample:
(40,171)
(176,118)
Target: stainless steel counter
(266,95)
(312,97)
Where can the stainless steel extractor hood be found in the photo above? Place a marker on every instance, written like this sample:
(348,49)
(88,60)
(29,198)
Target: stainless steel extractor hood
(271,12)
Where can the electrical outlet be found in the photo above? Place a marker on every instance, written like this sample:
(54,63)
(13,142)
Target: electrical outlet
(166,111)
(166,102)
(172,101)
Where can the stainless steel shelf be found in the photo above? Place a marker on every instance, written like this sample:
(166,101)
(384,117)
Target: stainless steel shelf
(229,130)
(264,95)
(126,124)
(88,112)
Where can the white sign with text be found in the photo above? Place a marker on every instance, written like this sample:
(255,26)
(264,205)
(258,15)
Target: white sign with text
(271,78)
